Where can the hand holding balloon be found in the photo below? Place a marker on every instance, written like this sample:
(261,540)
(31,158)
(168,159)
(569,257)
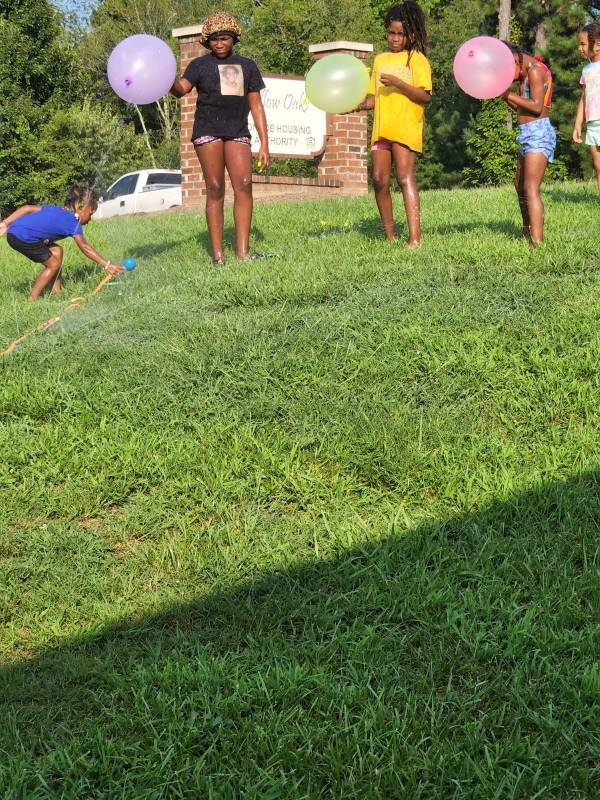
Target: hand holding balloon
(337,83)
(114,269)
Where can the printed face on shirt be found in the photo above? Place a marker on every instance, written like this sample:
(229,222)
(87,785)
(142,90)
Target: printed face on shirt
(232,79)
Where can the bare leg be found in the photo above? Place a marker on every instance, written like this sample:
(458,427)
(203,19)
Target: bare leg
(238,160)
(382,170)
(50,275)
(212,160)
(405,159)
(519,186)
(596,161)
(534,167)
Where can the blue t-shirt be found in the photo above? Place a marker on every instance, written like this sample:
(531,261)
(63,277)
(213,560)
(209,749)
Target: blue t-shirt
(46,225)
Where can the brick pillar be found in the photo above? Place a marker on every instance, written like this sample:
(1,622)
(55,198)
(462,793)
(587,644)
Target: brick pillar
(192,184)
(345,156)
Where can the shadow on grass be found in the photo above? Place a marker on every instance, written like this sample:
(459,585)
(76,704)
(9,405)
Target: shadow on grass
(203,238)
(70,274)
(510,229)
(456,660)
(153,249)
(587,194)
(78,273)
(371,228)
(24,287)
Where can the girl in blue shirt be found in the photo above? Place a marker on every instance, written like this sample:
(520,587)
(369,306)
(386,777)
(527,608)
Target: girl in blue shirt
(34,230)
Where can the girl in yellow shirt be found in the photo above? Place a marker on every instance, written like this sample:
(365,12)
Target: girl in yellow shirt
(399,91)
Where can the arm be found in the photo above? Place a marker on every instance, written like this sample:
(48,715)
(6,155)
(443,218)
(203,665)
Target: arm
(260,121)
(90,253)
(181,87)
(579,117)
(533,106)
(414,93)
(20,212)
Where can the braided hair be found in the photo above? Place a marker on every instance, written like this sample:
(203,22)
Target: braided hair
(80,197)
(593,35)
(412,18)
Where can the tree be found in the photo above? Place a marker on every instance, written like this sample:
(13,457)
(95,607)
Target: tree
(113,21)
(86,144)
(451,111)
(504,19)
(38,71)
(281,31)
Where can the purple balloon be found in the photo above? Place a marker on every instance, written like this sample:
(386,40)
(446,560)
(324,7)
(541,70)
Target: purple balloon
(484,67)
(141,69)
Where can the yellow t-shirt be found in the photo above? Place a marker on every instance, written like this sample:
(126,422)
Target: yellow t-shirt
(396,117)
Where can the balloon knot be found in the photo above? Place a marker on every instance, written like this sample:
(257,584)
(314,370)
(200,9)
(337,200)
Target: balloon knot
(128,81)
(539,58)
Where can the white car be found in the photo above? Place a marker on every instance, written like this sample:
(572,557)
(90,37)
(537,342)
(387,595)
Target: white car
(141,192)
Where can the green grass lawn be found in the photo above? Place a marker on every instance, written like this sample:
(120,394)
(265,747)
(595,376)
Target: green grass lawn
(321,526)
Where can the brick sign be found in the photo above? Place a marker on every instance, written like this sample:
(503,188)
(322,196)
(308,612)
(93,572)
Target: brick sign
(296,128)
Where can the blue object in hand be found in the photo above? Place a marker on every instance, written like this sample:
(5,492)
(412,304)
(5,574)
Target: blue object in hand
(129,264)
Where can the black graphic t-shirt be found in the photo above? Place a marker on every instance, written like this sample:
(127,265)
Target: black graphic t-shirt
(223,85)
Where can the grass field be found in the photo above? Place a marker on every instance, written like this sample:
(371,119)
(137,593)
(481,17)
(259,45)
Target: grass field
(321,526)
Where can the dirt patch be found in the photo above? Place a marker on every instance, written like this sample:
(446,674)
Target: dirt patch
(87,523)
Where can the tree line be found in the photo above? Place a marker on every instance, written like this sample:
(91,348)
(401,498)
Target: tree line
(60,123)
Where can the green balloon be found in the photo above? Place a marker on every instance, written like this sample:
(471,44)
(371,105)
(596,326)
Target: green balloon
(337,83)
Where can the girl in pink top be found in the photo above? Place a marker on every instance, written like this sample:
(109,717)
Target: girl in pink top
(588,109)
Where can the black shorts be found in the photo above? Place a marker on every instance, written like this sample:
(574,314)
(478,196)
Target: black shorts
(34,251)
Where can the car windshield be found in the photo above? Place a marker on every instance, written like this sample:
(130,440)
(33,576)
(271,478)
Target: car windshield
(164,178)
(125,185)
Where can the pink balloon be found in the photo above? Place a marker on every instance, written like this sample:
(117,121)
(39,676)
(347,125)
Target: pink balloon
(484,67)
(141,69)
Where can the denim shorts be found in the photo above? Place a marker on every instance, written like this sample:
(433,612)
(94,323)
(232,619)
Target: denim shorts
(537,136)
(592,132)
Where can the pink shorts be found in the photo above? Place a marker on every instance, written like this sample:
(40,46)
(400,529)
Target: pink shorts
(382,144)
(386,144)
(209,139)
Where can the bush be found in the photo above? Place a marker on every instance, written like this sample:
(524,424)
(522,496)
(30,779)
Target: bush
(493,149)
(491,146)
(86,144)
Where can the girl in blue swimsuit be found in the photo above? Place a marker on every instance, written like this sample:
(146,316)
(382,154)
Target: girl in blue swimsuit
(536,137)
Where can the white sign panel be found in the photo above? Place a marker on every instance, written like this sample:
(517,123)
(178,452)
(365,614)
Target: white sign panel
(296,128)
